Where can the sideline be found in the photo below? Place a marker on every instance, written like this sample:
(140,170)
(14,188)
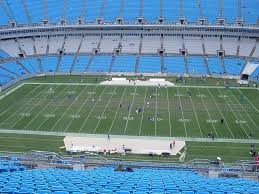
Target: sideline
(193,139)
(169,86)
(11,91)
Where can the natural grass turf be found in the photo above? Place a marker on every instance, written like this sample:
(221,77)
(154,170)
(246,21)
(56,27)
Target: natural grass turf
(105,116)
(194,81)
(171,111)
(229,152)
(26,143)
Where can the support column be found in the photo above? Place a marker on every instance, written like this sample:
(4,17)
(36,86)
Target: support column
(119,20)
(63,17)
(140,8)
(181,8)
(182,19)
(27,12)
(220,20)
(45,18)
(201,20)
(81,18)
(239,19)
(220,8)
(161,19)
(141,19)
(99,20)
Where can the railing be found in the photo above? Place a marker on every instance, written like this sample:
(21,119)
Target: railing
(52,159)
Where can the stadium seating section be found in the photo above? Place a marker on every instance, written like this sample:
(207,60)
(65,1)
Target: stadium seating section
(138,54)
(7,166)
(125,63)
(29,11)
(107,181)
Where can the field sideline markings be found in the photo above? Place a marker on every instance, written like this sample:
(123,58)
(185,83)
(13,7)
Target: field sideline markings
(245,111)
(239,113)
(117,111)
(64,112)
(249,101)
(14,104)
(22,107)
(182,112)
(142,115)
(11,91)
(221,113)
(208,114)
(38,112)
(234,114)
(169,113)
(169,86)
(62,134)
(132,102)
(54,108)
(89,114)
(107,104)
(195,114)
(79,110)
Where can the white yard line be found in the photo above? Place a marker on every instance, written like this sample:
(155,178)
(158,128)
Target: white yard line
(23,105)
(89,114)
(85,101)
(169,113)
(34,106)
(142,115)
(195,113)
(105,109)
(241,115)
(67,109)
(235,115)
(54,108)
(156,113)
(38,112)
(117,111)
(249,101)
(221,113)
(208,114)
(245,112)
(11,91)
(182,112)
(125,129)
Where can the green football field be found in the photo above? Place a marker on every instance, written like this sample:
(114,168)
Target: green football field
(97,109)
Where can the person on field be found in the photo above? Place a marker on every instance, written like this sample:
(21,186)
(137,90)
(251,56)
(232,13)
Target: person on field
(222,121)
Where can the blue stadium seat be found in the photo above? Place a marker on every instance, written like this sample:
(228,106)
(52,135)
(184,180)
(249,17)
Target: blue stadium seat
(174,65)
(149,64)
(66,63)
(124,64)
(100,64)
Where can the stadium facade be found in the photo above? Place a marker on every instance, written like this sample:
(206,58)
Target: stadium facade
(109,38)
(158,38)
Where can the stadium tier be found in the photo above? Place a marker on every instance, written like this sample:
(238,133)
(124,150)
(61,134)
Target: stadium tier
(108,181)
(129,96)
(194,65)
(28,11)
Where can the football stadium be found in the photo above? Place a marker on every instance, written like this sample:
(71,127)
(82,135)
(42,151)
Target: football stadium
(129,97)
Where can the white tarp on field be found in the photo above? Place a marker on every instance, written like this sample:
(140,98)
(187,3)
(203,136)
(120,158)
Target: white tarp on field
(151,82)
(119,144)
